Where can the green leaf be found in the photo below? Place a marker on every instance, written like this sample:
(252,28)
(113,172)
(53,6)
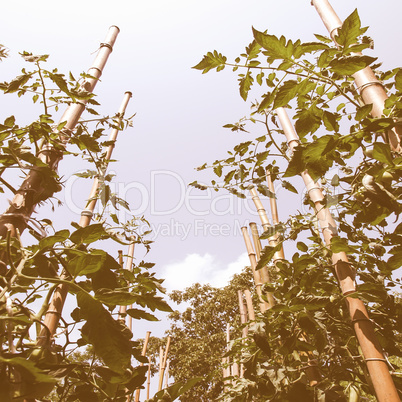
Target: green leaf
(50,241)
(308,47)
(210,61)
(88,234)
(265,191)
(323,38)
(330,121)
(398,80)
(87,263)
(245,84)
(395,261)
(253,50)
(363,112)
(10,121)
(116,297)
(288,186)
(285,93)
(140,314)
(308,121)
(350,64)
(218,170)
(267,99)
(351,28)
(17,83)
(59,80)
(382,153)
(154,303)
(301,246)
(338,244)
(110,341)
(273,230)
(276,49)
(267,254)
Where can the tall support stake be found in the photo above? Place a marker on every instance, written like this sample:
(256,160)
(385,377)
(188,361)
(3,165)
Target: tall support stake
(370,88)
(23,204)
(167,374)
(371,348)
(273,240)
(264,273)
(249,303)
(149,377)
(143,353)
(253,262)
(163,365)
(312,372)
(128,267)
(243,320)
(53,315)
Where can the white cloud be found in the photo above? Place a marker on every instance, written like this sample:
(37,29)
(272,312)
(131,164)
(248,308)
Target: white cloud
(196,268)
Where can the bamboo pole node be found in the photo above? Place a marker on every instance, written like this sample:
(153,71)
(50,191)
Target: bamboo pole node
(376,359)
(54,312)
(87,212)
(96,68)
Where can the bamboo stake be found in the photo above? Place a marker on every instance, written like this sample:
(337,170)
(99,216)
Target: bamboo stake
(371,89)
(243,320)
(167,374)
(258,248)
(53,314)
(143,353)
(230,367)
(272,200)
(129,265)
(312,372)
(264,273)
(121,263)
(371,348)
(273,240)
(249,303)
(87,213)
(160,363)
(23,204)
(149,376)
(243,313)
(163,366)
(253,262)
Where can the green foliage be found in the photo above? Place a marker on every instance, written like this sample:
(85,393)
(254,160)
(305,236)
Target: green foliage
(310,321)
(76,258)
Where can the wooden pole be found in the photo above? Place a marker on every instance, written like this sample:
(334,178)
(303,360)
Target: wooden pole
(87,213)
(264,273)
(370,88)
(243,320)
(365,332)
(312,372)
(273,240)
(129,265)
(143,353)
(53,315)
(163,366)
(253,262)
(23,204)
(167,374)
(249,303)
(149,377)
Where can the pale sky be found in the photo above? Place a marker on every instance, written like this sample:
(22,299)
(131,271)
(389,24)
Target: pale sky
(180,112)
